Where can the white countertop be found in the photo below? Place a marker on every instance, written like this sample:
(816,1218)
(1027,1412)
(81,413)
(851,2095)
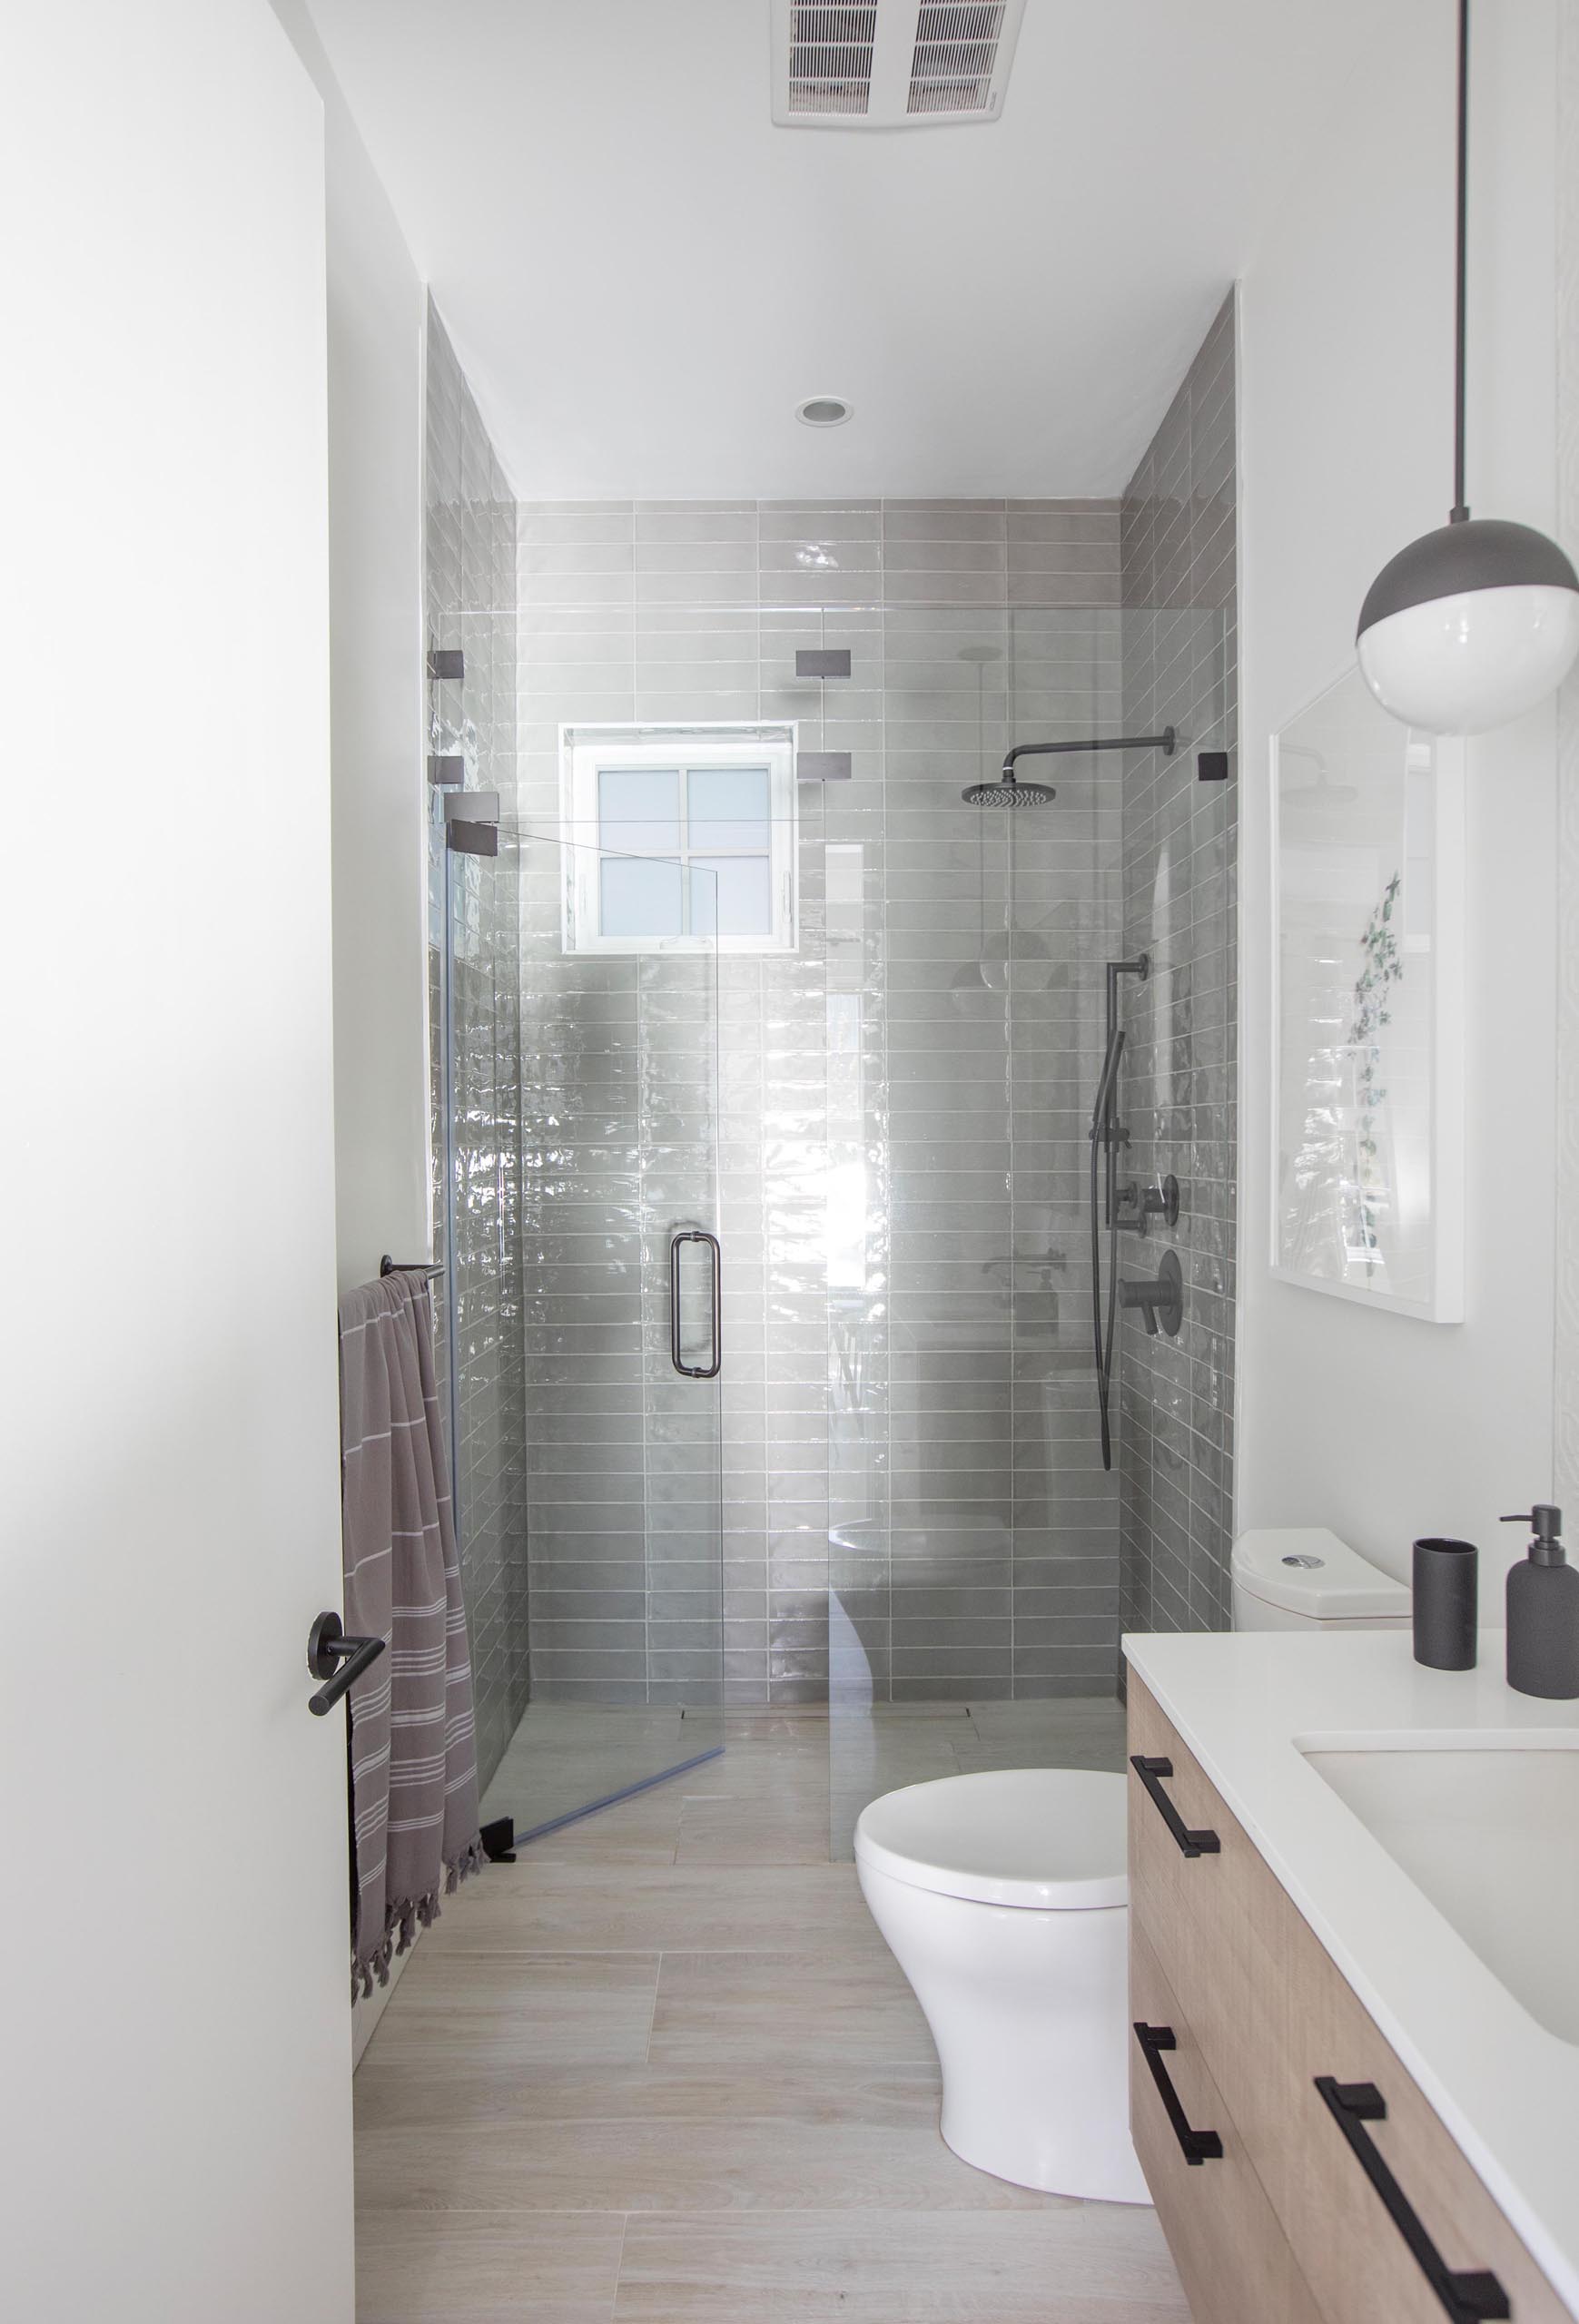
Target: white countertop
(1506,2088)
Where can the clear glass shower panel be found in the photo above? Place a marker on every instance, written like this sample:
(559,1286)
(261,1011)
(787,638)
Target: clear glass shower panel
(973,1535)
(615,1503)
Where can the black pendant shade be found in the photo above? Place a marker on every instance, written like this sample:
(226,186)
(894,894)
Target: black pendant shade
(1477,553)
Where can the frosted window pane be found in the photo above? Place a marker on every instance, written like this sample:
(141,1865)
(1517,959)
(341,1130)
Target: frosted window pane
(728,807)
(640,898)
(638,809)
(745,904)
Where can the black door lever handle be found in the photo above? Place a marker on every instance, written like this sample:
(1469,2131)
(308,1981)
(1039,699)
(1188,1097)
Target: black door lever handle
(337,1659)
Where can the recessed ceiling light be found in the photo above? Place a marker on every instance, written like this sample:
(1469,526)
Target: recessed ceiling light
(824,411)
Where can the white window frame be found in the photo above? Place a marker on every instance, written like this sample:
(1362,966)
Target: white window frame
(586,751)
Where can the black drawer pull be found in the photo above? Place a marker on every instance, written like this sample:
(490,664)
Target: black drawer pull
(1467,2294)
(1198,2146)
(1151,1772)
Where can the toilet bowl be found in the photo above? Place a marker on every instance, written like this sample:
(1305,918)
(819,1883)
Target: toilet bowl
(1004,1898)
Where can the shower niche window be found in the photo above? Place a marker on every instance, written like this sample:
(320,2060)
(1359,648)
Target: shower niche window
(651,806)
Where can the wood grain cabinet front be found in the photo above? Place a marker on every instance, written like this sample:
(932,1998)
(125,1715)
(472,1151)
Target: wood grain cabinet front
(1233,2258)
(1383,2216)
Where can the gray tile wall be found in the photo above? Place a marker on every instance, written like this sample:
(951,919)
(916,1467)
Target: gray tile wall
(470,578)
(915,1435)
(1180,873)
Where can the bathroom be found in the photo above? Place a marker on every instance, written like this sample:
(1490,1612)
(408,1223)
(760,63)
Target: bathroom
(840,1031)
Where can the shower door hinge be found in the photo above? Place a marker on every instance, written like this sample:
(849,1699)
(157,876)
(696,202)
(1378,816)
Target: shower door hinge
(498,1840)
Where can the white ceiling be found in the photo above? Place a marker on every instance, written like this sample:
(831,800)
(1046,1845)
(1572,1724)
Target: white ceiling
(643,276)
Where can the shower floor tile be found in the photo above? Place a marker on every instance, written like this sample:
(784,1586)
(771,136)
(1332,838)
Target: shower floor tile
(663,2070)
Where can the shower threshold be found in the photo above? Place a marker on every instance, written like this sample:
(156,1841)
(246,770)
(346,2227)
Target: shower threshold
(613,1798)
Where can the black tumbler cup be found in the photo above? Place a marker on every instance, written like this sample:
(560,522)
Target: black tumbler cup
(1446,1589)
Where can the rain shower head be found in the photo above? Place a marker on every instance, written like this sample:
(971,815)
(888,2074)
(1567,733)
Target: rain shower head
(1008,792)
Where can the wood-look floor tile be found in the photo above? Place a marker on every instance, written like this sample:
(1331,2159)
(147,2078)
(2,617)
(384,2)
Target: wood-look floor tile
(762,2007)
(548,1907)
(659,2163)
(1058,2265)
(451,2094)
(645,1830)
(1061,1715)
(1093,1750)
(751,1831)
(516,2009)
(487,2268)
(752,2117)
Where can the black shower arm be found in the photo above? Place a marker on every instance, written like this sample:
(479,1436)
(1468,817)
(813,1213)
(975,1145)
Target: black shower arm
(1165,742)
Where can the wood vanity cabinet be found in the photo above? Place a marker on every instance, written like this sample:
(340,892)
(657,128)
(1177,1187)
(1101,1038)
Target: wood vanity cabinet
(1323,2189)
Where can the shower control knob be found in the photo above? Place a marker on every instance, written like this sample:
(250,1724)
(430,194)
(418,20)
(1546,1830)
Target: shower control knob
(1160,1302)
(1139,1206)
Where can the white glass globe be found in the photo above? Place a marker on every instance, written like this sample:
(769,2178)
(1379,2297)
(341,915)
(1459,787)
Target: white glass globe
(1460,664)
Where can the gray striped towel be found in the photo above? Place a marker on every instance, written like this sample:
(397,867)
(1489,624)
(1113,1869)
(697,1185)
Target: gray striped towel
(413,1744)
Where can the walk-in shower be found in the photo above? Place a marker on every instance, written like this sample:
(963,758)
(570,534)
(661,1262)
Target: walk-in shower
(867,1487)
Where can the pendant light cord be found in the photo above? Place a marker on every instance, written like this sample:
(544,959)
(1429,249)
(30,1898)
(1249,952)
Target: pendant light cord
(1460,508)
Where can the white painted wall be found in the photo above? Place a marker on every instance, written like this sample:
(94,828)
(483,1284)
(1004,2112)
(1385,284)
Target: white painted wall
(377,311)
(1380,1427)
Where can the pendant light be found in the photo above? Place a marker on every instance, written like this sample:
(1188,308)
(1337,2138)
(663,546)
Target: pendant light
(1474,624)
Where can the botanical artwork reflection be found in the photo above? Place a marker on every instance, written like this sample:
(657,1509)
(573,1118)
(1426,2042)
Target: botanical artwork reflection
(1360,964)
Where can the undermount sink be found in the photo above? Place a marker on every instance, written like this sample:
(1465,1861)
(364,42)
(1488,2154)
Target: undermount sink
(1490,1834)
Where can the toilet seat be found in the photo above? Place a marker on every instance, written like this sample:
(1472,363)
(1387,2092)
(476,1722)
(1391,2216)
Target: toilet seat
(1050,1839)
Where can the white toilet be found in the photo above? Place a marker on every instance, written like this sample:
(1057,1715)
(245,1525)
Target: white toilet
(1004,1898)
(1302,1578)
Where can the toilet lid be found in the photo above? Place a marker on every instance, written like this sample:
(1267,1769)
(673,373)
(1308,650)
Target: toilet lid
(1053,1838)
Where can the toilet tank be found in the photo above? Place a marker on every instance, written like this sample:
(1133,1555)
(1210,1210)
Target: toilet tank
(1303,1578)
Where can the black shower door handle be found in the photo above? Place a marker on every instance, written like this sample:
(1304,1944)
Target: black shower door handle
(1469,2295)
(695,1371)
(1151,1772)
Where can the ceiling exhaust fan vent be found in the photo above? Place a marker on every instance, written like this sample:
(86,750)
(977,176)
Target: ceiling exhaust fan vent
(892,63)
(955,58)
(829,58)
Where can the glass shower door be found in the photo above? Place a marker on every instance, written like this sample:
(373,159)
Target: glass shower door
(592,1553)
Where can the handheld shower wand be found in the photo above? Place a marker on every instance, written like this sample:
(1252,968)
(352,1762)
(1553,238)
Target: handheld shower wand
(1108,1135)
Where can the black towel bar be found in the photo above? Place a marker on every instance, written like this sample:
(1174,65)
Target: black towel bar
(423,1267)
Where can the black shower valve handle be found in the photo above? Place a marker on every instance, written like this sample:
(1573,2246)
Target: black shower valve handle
(1137,1205)
(1160,1301)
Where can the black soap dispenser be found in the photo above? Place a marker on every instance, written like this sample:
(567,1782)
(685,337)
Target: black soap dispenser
(1543,1603)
